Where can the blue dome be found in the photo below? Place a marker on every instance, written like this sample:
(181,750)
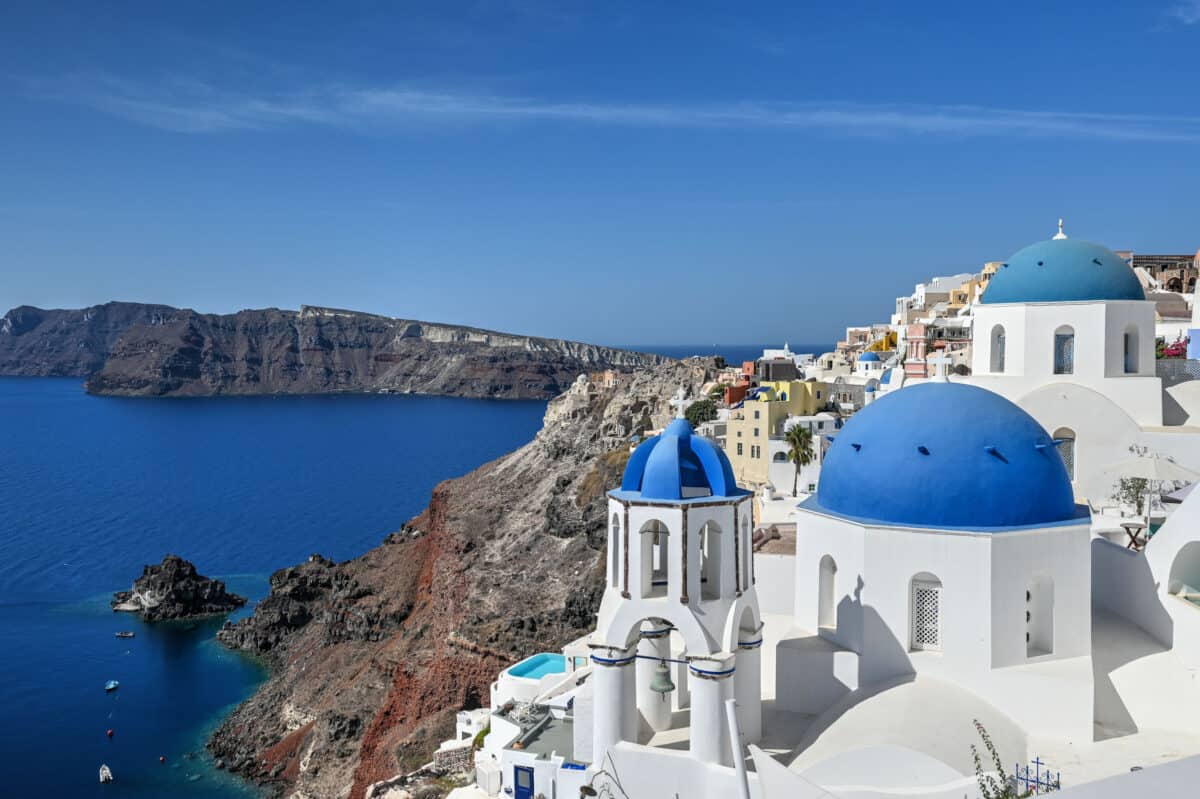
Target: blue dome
(869,389)
(945,455)
(869,357)
(678,465)
(1063,270)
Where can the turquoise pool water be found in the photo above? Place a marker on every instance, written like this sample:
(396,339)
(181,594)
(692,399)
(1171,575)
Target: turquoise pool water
(539,665)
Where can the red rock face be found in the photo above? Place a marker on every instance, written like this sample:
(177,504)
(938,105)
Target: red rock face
(373,657)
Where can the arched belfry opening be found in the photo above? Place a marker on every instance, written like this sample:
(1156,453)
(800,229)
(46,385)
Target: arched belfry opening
(655,579)
(711,546)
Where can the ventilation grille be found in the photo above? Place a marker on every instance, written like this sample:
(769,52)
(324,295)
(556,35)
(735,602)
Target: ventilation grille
(926,615)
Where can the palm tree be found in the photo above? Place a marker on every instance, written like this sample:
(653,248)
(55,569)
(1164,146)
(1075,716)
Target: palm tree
(800,449)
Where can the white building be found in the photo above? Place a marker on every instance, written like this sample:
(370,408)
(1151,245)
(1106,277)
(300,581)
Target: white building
(942,574)
(1065,331)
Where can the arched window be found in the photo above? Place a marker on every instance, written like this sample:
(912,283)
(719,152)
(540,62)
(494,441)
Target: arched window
(710,561)
(925,613)
(614,552)
(779,457)
(1039,617)
(1064,350)
(1131,350)
(656,562)
(826,610)
(1066,448)
(997,365)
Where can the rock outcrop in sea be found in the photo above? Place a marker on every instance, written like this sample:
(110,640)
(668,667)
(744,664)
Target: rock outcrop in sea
(174,590)
(154,350)
(371,658)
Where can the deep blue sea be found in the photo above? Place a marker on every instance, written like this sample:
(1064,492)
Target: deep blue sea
(92,488)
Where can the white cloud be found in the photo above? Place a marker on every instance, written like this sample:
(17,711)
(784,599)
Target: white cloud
(189,106)
(1186,11)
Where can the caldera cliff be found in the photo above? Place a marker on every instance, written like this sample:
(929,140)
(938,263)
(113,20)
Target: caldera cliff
(154,350)
(372,658)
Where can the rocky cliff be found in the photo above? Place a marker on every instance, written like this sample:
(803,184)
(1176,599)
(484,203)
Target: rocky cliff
(174,589)
(70,343)
(373,657)
(143,350)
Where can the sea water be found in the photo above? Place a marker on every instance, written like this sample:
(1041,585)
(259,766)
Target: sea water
(92,488)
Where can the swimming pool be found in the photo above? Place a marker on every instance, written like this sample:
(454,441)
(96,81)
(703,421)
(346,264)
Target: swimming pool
(538,666)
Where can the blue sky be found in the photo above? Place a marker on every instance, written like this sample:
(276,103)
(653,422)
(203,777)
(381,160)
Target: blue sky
(612,172)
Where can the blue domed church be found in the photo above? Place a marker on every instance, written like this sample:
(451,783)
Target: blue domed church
(944,541)
(1064,330)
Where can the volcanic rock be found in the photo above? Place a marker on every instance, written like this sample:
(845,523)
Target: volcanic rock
(173,590)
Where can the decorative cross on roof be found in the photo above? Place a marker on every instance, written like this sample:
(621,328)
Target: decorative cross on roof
(940,362)
(680,402)
(1060,234)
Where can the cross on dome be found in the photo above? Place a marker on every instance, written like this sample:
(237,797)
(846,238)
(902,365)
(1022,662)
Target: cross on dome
(1059,234)
(680,402)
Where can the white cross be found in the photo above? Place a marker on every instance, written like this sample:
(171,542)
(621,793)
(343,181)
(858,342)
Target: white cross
(680,402)
(940,362)
(1060,234)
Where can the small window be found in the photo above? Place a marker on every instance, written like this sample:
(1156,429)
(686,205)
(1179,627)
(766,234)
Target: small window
(756,429)
(818,394)
(926,632)
(739,447)
(756,416)
(1064,351)
(1131,351)
(998,349)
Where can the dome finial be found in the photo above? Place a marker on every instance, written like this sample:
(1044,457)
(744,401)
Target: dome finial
(1060,234)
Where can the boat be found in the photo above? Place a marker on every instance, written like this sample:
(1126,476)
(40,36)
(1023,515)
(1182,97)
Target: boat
(106,774)
(111,685)
(126,634)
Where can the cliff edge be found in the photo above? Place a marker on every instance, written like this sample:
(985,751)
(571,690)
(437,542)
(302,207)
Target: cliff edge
(373,657)
(129,349)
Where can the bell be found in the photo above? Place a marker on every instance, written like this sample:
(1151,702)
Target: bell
(661,682)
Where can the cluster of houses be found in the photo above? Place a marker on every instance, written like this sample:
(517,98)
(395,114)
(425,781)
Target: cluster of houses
(998,536)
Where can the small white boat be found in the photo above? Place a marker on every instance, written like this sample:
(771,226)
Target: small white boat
(125,634)
(111,685)
(105,774)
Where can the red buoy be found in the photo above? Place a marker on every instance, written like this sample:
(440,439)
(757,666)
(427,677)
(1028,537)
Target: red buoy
(110,733)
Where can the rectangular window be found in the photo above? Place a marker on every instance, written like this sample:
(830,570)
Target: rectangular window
(739,449)
(926,612)
(818,394)
(756,432)
(1064,353)
(756,414)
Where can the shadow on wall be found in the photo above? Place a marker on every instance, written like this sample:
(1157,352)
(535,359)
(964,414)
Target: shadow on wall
(1124,585)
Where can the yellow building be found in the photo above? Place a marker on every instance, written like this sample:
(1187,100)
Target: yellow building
(753,426)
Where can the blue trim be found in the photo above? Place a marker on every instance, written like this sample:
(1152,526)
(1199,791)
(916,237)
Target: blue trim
(614,661)
(1081,516)
(707,673)
(637,496)
(750,644)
